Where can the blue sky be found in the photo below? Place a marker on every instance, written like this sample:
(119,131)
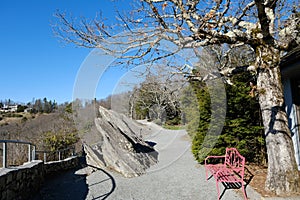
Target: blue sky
(33,63)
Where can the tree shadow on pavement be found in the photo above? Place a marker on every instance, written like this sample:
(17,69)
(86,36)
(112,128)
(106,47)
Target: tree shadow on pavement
(109,177)
(63,185)
(70,184)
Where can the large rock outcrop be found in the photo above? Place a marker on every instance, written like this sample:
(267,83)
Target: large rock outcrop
(122,149)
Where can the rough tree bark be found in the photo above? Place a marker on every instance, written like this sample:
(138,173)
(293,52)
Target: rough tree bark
(282,175)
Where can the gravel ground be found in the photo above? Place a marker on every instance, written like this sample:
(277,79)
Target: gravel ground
(176,176)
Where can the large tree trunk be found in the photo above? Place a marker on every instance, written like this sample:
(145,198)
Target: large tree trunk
(283,177)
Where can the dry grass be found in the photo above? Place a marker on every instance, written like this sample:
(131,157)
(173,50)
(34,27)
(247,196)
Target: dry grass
(31,127)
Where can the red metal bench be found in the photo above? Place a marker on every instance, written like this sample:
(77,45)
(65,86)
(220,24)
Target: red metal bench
(229,170)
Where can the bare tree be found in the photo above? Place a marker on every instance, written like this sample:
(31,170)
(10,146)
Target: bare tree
(266,26)
(156,94)
(158,97)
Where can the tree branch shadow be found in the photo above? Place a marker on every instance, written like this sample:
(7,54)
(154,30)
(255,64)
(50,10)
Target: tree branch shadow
(110,177)
(63,185)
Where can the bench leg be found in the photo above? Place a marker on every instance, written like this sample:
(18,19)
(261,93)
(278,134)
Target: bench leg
(218,189)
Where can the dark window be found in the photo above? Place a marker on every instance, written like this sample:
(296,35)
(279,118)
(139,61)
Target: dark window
(296,91)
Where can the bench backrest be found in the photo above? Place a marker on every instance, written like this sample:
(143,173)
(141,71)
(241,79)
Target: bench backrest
(234,160)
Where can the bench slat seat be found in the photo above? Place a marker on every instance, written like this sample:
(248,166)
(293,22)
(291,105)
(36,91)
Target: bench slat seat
(230,170)
(227,175)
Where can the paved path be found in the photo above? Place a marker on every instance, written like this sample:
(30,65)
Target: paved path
(176,176)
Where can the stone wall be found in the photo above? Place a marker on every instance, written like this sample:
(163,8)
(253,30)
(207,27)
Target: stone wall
(55,166)
(19,182)
(24,181)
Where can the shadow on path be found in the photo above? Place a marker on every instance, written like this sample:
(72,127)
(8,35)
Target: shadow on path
(248,176)
(72,185)
(63,185)
(109,177)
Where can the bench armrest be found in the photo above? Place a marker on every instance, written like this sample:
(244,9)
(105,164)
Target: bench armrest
(212,157)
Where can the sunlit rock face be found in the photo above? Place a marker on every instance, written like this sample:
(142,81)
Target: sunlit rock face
(122,149)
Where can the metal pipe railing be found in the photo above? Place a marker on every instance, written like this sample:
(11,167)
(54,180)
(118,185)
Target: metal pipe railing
(4,155)
(31,153)
(59,152)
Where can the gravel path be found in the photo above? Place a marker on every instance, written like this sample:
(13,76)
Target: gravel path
(176,176)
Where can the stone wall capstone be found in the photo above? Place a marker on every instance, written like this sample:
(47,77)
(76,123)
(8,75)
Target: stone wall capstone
(21,182)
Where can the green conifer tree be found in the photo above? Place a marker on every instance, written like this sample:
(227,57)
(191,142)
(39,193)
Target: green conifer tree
(242,128)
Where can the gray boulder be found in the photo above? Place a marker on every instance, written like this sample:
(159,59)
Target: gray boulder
(122,149)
